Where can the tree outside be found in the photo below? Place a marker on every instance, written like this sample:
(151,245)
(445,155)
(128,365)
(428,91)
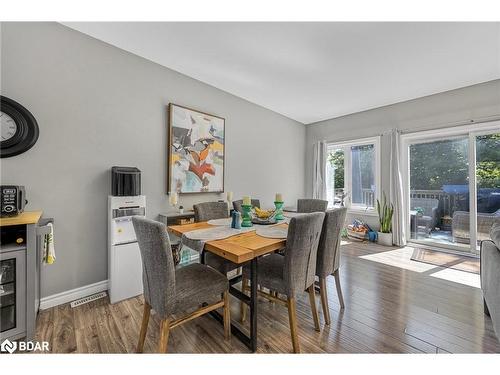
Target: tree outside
(446,162)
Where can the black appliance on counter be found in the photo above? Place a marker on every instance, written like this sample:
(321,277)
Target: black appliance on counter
(12,200)
(125,181)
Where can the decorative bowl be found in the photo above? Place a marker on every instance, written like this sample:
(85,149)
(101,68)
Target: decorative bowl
(267,221)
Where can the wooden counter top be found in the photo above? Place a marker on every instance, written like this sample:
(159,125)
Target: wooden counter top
(27,217)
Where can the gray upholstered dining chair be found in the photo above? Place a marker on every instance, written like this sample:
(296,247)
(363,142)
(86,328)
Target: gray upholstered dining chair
(169,291)
(328,259)
(237,204)
(295,272)
(210,211)
(311,205)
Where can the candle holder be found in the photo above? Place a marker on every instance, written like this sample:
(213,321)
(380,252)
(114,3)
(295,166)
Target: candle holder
(246,216)
(279,211)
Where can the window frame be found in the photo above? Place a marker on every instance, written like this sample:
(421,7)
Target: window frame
(345,145)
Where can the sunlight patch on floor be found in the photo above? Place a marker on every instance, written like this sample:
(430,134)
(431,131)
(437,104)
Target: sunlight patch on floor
(461,277)
(399,258)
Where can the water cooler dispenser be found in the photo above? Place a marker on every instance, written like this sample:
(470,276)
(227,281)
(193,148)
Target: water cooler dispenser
(124,258)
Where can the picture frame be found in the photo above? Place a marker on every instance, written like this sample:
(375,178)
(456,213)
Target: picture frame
(196,151)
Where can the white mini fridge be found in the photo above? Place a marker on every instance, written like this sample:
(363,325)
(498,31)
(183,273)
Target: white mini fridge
(124,258)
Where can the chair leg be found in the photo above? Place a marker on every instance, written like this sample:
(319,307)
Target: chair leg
(324,299)
(227,316)
(144,327)
(314,310)
(164,332)
(243,306)
(292,316)
(339,289)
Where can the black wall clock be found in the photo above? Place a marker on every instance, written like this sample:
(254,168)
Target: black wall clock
(19,128)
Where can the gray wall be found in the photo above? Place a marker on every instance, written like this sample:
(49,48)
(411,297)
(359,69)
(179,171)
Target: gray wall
(98,106)
(430,112)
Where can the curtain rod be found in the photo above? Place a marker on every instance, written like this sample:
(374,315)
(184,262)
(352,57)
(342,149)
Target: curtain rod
(478,120)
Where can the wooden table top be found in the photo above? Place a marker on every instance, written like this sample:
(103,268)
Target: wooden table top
(27,217)
(238,249)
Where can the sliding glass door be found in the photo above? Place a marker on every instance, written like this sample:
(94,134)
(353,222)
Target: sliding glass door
(439,190)
(453,186)
(487,183)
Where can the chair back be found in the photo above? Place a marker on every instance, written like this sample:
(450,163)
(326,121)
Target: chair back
(210,211)
(158,272)
(328,259)
(426,204)
(237,204)
(304,232)
(311,205)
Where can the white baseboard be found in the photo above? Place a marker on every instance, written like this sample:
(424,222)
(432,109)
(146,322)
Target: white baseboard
(73,294)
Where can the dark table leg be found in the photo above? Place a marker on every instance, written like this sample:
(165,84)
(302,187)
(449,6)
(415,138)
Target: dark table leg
(253,304)
(251,340)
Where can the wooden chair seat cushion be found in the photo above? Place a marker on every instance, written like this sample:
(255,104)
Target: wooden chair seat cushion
(196,284)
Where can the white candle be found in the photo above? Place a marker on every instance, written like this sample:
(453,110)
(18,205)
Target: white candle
(173,198)
(279,197)
(247,201)
(229,196)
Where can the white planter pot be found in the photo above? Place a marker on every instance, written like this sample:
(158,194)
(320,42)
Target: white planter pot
(385,239)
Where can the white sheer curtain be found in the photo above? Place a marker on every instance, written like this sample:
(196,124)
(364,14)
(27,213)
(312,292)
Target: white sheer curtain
(396,190)
(319,170)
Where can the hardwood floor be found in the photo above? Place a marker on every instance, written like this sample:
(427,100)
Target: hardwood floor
(393,305)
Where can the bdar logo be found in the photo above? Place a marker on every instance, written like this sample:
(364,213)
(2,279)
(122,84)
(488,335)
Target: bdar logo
(8,346)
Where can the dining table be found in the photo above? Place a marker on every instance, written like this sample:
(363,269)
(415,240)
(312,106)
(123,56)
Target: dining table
(242,249)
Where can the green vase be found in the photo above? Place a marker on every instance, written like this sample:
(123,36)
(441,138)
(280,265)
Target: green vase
(279,211)
(246,215)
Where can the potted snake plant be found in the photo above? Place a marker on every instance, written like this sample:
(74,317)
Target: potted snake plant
(385,212)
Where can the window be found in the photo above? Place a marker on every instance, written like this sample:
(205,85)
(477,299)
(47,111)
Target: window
(352,174)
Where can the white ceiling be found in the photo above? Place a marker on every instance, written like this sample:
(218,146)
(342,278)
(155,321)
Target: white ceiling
(315,71)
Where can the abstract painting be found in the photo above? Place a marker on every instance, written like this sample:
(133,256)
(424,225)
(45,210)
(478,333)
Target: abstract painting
(196,151)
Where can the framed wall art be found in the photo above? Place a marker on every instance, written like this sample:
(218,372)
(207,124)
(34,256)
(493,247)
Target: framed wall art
(195,151)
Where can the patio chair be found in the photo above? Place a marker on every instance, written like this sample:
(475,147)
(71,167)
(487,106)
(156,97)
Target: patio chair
(460,226)
(429,216)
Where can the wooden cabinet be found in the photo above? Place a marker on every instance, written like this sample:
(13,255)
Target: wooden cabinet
(20,259)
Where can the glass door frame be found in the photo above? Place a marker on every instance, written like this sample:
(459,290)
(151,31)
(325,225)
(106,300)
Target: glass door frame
(466,131)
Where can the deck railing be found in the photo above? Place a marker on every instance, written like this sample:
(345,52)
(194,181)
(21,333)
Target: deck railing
(448,203)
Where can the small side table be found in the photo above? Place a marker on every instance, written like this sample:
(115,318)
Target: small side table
(176,218)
